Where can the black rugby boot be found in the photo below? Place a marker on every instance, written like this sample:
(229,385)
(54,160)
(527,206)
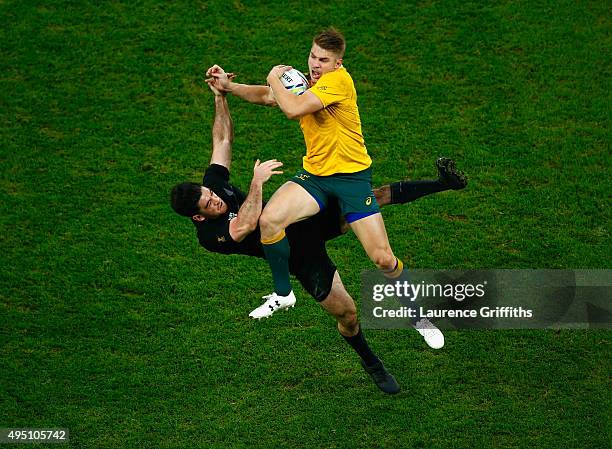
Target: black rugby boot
(382,378)
(449,175)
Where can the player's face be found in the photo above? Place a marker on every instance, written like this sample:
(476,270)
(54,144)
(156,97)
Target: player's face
(211,206)
(321,61)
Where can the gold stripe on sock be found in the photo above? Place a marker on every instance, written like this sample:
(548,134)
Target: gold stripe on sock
(277,238)
(396,272)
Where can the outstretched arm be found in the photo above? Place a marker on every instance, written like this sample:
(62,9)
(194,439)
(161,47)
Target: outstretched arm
(248,214)
(223,82)
(223,132)
(253,94)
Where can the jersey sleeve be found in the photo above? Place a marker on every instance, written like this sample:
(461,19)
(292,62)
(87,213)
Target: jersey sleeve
(215,173)
(330,89)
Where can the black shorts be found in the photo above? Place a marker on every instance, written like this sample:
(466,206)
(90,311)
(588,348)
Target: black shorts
(309,261)
(315,272)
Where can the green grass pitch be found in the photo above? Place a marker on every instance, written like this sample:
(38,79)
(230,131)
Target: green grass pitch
(114,323)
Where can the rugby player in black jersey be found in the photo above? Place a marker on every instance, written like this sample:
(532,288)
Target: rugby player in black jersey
(226,221)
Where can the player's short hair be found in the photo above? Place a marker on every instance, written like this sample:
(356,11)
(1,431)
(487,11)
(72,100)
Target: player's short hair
(184,198)
(331,40)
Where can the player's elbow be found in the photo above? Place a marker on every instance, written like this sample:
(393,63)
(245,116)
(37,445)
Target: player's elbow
(242,228)
(292,114)
(239,234)
(269,101)
(298,109)
(248,226)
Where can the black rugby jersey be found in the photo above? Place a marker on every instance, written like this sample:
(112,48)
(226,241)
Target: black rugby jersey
(214,234)
(304,237)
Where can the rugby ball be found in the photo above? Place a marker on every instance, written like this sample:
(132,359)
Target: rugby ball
(295,81)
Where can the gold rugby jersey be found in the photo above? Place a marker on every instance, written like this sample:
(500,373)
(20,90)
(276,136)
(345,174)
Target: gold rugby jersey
(334,141)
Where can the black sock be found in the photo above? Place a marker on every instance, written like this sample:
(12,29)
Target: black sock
(360,345)
(406,191)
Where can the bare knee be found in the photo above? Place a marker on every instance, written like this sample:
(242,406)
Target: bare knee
(270,223)
(349,318)
(341,306)
(344,311)
(348,324)
(384,259)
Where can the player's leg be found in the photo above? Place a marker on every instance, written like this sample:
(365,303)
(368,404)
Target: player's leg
(317,274)
(341,306)
(370,229)
(362,213)
(383,195)
(401,192)
(372,234)
(289,204)
(360,209)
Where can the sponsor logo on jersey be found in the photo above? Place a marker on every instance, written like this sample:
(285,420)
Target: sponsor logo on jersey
(221,239)
(368,201)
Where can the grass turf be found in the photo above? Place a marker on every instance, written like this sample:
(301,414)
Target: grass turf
(116,325)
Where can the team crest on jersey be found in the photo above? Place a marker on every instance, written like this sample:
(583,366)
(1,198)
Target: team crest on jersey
(232,215)
(221,239)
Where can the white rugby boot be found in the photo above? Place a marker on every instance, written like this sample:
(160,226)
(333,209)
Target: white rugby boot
(273,303)
(432,335)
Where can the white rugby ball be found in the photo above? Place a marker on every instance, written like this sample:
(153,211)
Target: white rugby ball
(295,81)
